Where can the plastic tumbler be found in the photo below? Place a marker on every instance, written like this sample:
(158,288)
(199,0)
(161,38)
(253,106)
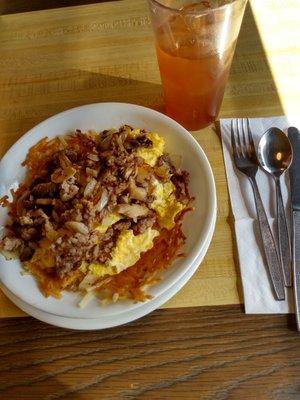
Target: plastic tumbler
(195,43)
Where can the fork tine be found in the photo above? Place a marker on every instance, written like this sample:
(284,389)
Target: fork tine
(233,144)
(246,147)
(250,138)
(238,134)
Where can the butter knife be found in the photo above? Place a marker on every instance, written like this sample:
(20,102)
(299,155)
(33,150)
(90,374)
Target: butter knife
(294,172)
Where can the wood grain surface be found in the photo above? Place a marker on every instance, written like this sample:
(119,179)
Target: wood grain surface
(18,6)
(55,59)
(211,353)
(60,58)
(52,60)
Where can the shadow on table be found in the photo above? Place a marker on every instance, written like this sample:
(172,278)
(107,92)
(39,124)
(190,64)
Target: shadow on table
(73,88)
(98,87)
(17,6)
(251,90)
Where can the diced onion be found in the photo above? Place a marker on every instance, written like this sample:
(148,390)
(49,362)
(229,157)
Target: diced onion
(78,227)
(103,201)
(93,157)
(90,187)
(132,210)
(137,192)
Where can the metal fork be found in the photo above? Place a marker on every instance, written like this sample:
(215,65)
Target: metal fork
(245,159)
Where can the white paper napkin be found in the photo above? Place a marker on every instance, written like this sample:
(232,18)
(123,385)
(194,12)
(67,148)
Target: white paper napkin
(258,296)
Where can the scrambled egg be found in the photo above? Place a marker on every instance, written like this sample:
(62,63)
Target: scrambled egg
(150,155)
(126,253)
(129,247)
(165,204)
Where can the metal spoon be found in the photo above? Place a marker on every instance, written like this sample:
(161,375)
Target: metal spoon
(275,156)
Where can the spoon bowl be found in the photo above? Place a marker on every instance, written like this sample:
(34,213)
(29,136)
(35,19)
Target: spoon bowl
(274,152)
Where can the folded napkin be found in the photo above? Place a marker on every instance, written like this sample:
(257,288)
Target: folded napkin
(258,297)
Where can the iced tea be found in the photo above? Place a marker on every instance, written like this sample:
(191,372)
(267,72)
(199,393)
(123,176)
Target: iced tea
(194,54)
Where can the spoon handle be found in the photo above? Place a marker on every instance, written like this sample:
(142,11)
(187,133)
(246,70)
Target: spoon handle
(283,237)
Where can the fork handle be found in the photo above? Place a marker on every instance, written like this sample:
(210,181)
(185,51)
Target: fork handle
(269,245)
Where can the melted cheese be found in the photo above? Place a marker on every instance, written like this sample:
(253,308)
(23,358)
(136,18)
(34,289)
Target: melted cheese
(150,154)
(126,253)
(165,204)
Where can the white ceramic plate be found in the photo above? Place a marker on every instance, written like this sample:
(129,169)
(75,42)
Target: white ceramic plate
(197,224)
(117,319)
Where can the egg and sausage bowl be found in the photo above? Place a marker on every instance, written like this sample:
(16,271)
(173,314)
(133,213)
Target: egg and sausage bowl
(99,212)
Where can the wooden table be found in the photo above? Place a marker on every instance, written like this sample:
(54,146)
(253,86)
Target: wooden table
(213,352)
